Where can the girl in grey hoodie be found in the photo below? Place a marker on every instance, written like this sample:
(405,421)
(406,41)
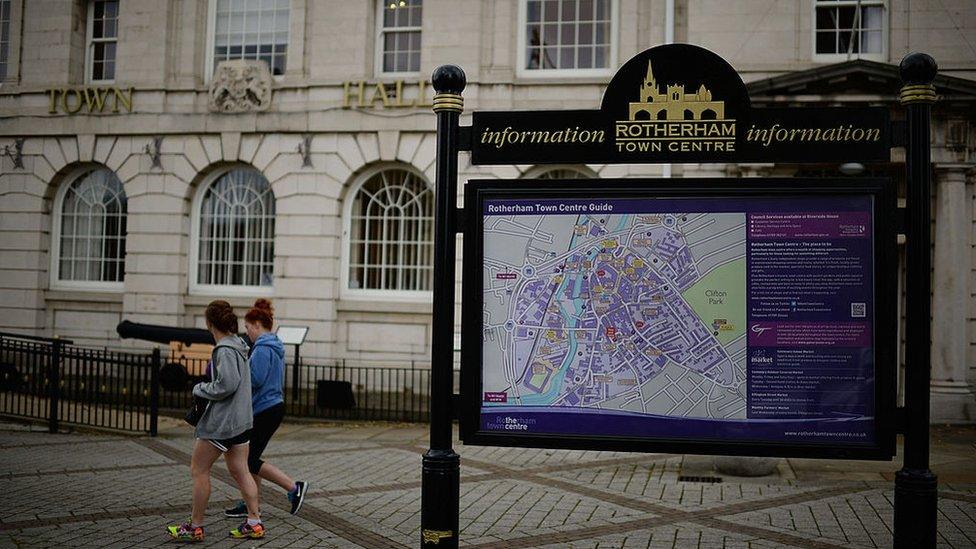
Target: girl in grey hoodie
(224,427)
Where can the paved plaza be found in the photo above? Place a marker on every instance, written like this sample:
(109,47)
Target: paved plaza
(103,490)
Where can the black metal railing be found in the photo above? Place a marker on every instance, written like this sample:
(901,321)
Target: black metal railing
(54,380)
(343,389)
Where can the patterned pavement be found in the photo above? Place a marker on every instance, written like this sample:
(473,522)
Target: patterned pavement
(102,490)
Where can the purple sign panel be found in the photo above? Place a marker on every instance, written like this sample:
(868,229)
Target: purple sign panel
(683,318)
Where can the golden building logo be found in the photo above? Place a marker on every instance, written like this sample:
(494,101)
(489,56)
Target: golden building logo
(674,120)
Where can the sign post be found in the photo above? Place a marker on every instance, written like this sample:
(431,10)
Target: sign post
(441,484)
(916,486)
(772,298)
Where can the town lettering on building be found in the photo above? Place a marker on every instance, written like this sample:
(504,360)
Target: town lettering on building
(89,99)
(385,95)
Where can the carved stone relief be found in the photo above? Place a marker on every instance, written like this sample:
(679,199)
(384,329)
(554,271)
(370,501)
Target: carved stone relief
(241,85)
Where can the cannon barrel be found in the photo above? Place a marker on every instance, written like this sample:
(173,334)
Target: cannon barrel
(163,334)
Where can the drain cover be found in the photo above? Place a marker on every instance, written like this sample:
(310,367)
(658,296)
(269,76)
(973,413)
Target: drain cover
(712,480)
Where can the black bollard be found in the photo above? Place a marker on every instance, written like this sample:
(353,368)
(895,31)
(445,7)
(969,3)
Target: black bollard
(441,485)
(916,486)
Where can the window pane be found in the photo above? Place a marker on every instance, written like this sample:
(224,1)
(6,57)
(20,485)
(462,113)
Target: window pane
(550,35)
(251,29)
(826,42)
(826,18)
(572,26)
(872,17)
(569,10)
(236,242)
(585,58)
(92,241)
(601,57)
(845,17)
(567,58)
(401,47)
(586,33)
(871,42)
(391,224)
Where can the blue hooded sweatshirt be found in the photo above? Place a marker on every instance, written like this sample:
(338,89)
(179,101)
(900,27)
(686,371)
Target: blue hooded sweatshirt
(267,372)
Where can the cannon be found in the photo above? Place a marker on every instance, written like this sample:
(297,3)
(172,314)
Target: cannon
(189,351)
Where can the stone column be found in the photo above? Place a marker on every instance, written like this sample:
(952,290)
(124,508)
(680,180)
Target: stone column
(952,399)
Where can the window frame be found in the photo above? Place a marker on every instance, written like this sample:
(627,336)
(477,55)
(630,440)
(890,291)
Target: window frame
(56,282)
(8,39)
(363,294)
(210,66)
(522,72)
(881,56)
(195,287)
(379,51)
(90,45)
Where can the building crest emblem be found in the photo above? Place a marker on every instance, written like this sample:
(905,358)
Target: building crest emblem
(241,85)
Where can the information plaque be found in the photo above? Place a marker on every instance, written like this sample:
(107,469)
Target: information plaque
(694,316)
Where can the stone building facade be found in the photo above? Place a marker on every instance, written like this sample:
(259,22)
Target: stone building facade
(157,154)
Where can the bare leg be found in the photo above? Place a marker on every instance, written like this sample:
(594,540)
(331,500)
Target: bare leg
(236,459)
(273,474)
(204,456)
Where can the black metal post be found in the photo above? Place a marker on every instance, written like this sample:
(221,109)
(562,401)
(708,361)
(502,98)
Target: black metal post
(154,392)
(294,377)
(916,486)
(54,393)
(441,485)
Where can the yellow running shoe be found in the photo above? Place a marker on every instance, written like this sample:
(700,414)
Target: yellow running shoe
(245,530)
(185,532)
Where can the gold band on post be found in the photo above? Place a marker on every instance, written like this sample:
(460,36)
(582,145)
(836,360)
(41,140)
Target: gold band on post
(917,93)
(448,102)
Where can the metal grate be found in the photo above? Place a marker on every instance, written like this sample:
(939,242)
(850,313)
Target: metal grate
(708,480)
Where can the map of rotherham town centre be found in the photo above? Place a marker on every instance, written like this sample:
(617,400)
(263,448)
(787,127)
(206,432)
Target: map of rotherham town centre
(709,317)
(637,312)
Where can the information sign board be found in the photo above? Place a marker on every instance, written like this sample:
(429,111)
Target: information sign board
(705,316)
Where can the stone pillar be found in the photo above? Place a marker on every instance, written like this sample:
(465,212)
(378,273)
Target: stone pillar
(952,399)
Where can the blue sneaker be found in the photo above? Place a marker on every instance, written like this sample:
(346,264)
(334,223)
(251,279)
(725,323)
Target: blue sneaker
(297,496)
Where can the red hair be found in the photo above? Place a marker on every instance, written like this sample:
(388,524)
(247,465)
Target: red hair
(261,313)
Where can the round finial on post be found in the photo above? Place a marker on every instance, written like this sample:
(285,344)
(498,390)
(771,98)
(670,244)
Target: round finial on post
(448,81)
(918,68)
(917,72)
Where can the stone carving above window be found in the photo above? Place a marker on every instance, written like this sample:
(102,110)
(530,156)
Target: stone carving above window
(241,85)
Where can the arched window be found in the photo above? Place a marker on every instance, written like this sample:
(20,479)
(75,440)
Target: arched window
(560,172)
(89,231)
(234,232)
(390,233)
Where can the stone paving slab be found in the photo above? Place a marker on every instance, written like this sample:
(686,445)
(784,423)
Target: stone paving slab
(26,459)
(85,490)
(861,520)
(59,494)
(148,531)
(489,510)
(682,534)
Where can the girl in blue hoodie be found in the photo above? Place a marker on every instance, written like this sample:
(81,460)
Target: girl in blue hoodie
(267,364)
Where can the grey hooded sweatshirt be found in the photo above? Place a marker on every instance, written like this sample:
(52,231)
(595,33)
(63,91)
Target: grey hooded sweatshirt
(228,413)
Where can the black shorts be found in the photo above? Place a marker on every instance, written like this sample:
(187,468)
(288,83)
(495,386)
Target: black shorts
(225,444)
(266,423)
